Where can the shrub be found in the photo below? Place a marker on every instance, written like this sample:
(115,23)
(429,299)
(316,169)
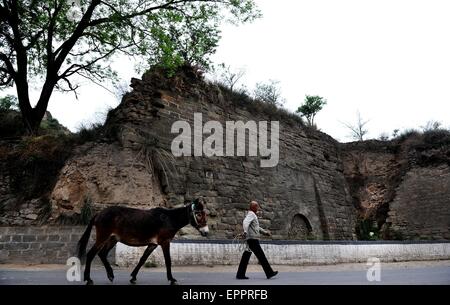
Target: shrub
(408,133)
(437,137)
(86,211)
(8,102)
(89,133)
(367,229)
(11,124)
(34,163)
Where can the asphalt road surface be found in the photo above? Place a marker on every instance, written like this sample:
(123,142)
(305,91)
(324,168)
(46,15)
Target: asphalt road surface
(411,273)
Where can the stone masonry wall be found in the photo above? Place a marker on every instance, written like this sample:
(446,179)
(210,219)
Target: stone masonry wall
(421,209)
(306,190)
(308,180)
(319,190)
(41,244)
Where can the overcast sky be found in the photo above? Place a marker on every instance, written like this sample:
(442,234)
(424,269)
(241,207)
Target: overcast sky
(389,59)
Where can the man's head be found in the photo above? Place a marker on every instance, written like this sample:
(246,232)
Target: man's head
(254,206)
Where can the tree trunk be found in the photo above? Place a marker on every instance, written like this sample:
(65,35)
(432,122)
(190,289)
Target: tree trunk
(32,117)
(33,122)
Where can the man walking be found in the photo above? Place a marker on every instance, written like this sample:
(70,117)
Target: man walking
(251,232)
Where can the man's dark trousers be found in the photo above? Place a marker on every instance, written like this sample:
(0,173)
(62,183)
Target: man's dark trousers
(254,245)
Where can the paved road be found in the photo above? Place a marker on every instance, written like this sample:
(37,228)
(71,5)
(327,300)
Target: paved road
(410,275)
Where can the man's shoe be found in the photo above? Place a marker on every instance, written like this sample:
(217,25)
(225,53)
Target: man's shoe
(272,275)
(242,277)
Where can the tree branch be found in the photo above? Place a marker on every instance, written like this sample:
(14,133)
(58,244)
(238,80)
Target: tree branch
(63,50)
(94,81)
(9,67)
(72,88)
(50,33)
(69,72)
(169,5)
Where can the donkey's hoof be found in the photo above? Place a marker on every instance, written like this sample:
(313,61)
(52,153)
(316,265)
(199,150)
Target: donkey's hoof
(133,281)
(111,278)
(173,282)
(89,282)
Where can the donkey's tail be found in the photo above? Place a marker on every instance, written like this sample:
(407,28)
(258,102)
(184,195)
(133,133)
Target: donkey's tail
(81,248)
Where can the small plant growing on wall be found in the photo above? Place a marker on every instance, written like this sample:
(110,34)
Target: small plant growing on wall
(86,211)
(367,229)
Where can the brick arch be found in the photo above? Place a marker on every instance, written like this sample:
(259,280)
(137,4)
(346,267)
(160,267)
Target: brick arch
(300,227)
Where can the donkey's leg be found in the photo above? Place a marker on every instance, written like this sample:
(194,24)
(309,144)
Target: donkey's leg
(166,250)
(103,254)
(90,256)
(142,261)
(102,237)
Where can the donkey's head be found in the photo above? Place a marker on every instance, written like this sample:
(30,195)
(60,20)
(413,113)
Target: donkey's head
(198,216)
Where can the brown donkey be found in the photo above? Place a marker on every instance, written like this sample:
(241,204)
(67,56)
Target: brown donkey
(138,228)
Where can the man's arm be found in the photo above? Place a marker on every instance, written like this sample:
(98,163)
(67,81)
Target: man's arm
(265,232)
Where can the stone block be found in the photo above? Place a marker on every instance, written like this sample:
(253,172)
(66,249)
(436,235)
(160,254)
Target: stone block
(16,238)
(53,238)
(29,238)
(5,238)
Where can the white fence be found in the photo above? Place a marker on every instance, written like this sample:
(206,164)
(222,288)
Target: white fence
(288,253)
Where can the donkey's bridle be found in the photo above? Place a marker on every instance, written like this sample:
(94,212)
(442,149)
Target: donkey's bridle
(193,213)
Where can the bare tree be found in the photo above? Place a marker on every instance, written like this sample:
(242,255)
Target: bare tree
(269,92)
(431,125)
(229,76)
(358,130)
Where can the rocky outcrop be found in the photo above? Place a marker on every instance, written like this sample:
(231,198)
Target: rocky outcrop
(402,185)
(320,189)
(29,168)
(102,174)
(305,196)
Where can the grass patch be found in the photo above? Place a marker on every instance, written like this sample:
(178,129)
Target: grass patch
(407,134)
(34,163)
(89,133)
(150,264)
(240,98)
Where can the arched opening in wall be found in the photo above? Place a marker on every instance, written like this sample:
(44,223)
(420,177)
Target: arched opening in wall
(300,228)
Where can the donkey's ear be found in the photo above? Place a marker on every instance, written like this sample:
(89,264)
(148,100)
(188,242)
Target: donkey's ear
(196,201)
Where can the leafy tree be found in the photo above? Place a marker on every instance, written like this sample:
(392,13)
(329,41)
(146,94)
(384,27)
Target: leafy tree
(8,102)
(54,44)
(310,108)
(384,137)
(269,92)
(395,133)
